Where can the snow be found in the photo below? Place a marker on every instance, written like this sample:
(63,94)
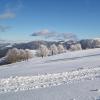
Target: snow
(77,91)
(42,81)
(54,64)
(10,45)
(67,76)
(33,52)
(2,60)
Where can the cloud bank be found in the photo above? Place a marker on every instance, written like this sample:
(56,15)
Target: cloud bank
(50,35)
(7,15)
(41,33)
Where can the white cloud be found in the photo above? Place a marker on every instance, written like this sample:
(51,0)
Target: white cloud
(51,35)
(10,9)
(41,33)
(7,15)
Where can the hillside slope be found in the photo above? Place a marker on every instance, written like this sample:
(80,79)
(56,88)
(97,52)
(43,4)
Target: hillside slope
(68,76)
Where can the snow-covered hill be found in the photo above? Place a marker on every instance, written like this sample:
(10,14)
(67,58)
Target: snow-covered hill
(67,76)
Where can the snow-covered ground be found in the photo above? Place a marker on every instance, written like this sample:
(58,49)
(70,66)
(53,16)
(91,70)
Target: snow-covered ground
(68,76)
(42,81)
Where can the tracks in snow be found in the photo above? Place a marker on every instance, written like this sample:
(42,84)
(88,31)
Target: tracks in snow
(14,84)
(74,58)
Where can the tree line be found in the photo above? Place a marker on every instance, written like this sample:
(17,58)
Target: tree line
(53,50)
(15,55)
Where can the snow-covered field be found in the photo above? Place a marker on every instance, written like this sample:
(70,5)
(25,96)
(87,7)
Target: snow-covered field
(68,76)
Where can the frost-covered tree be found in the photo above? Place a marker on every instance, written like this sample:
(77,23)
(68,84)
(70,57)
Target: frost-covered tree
(43,51)
(12,55)
(28,54)
(54,49)
(22,54)
(75,47)
(61,48)
(96,43)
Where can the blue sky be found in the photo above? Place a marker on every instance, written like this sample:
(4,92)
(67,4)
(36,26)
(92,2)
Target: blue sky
(20,18)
